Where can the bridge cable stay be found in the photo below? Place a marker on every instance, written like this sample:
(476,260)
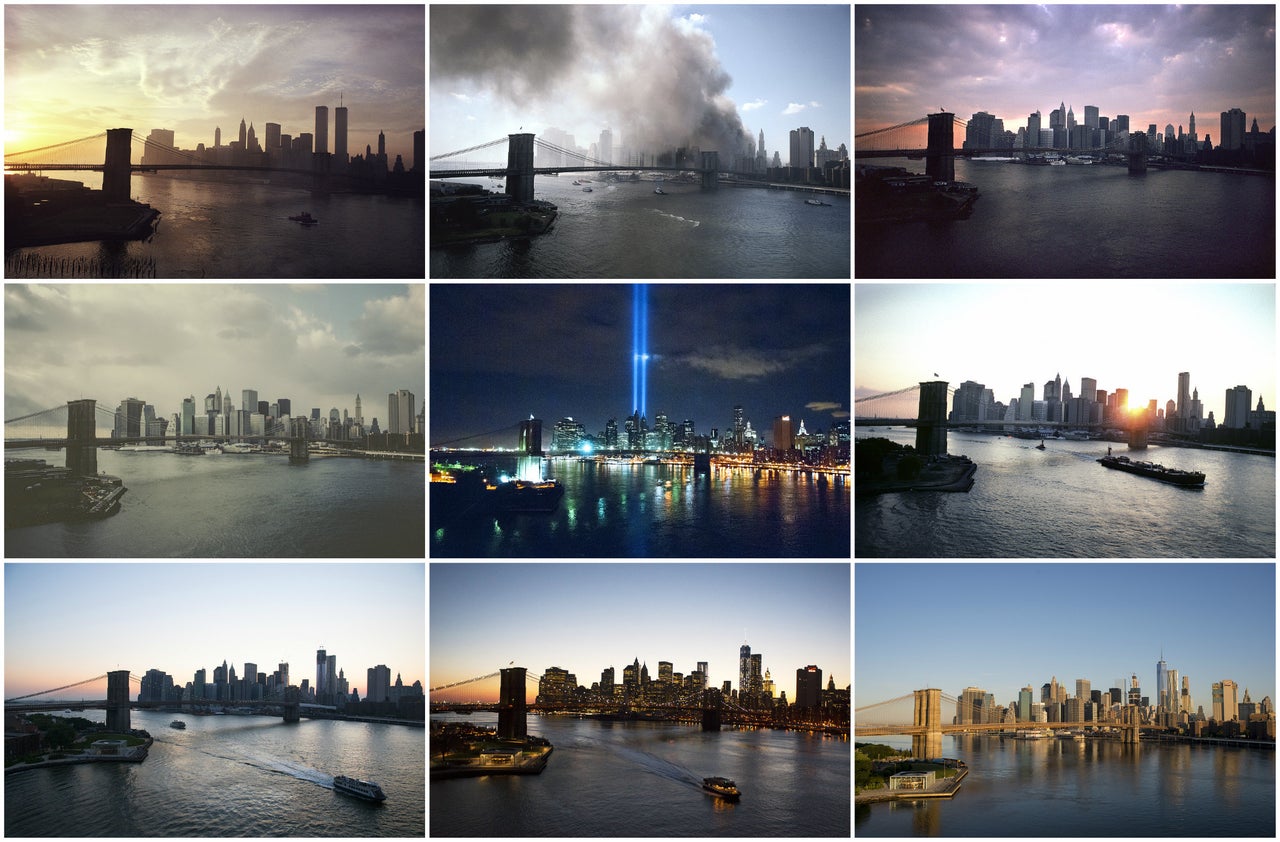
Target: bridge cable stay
(34,414)
(476,436)
(551,147)
(950,390)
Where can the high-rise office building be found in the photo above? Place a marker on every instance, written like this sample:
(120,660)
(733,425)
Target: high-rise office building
(606,681)
(1231,135)
(744,669)
(244,137)
(1162,677)
(1082,689)
(1216,689)
(969,707)
(1033,129)
(784,437)
(802,147)
(322,675)
(340,134)
(322,128)
(400,412)
(1239,399)
(1229,704)
(1091,116)
(808,687)
(512,707)
(378,683)
(1071,119)
(1121,123)
(273,138)
(1024,703)
(217,137)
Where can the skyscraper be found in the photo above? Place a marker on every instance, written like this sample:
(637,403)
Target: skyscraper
(762,160)
(808,687)
(273,138)
(340,134)
(605,146)
(217,137)
(1033,129)
(1091,116)
(1162,669)
(744,670)
(322,128)
(1239,399)
(243,135)
(1024,703)
(784,436)
(378,683)
(400,412)
(322,678)
(1230,709)
(359,414)
(1232,132)
(1184,397)
(801,147)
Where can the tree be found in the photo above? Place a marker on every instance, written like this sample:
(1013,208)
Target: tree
(862,768)
(60,735)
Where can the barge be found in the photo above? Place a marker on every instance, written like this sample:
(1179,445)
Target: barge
(1174,476)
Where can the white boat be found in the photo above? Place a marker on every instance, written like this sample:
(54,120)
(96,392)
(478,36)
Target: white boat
(361,789)
(1058,163)
(586,190)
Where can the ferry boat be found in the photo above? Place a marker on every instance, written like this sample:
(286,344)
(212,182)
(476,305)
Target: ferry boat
(367,790)
(521,496)
(1189,479)
(179,724)
(816,202)
(723,787)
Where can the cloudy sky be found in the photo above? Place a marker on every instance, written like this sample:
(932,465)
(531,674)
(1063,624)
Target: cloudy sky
(317,345)
(502,352)
(74,71)
(665,72)
(1156,63)
(1140,339)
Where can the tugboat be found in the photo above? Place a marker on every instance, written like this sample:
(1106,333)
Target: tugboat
(1187,479)
(367,790)
(723,787)
(1040,446)
(179,724)
(305,218)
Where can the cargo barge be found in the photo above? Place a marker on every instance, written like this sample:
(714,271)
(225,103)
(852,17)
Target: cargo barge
(1174,476)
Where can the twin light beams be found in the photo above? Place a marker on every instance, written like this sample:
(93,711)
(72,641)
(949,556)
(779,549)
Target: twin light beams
(639,346)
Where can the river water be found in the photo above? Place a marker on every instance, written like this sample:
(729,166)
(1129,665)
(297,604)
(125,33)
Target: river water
(230,776)
(246,505)
(1084,222)
(1099,788)
(645,779)
(626,511)
(627,231)
(1060,502)
(214,229)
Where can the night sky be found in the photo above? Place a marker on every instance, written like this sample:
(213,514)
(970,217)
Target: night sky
(1156,63)
(500,353)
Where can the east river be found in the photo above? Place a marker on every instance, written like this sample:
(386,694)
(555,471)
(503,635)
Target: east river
(627,231)
(230,776)
(1098,788)
(1060,502)
(651,510)
(1084,222)
(242,505)
(644,779)
(241,229)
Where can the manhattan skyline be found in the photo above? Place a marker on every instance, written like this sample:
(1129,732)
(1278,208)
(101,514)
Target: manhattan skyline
(74,71)
(241,612)
(595,629)
(500,353)
(908,332)
(724,73)
(1157,64)
(317,345)
(1117,627)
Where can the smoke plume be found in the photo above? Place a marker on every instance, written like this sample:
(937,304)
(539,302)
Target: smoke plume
(656,79)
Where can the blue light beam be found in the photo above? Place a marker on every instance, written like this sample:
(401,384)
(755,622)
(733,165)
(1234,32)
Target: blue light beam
(635,347)
(644,348)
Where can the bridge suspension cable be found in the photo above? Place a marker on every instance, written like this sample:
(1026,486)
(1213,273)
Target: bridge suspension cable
(560,150)
(476,436)
(896,392)
(56,145)
(881,704)
(468,149)
(34,414)
(56,689)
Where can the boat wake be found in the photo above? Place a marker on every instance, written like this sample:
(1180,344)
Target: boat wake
(280,767)
(694,222)
(661,767)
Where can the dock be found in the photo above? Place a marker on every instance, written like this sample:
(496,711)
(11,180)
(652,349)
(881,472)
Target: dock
(945,788)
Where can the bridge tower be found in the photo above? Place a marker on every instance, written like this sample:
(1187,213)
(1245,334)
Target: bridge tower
(82,430)
(298,454)
(711,710)
(931,419)
(928,714)
(291,709)
(710,170)
(520,167)
(1131,718)
(118,168)
(1137,153)
(512,708)
(118,701)
(940,159)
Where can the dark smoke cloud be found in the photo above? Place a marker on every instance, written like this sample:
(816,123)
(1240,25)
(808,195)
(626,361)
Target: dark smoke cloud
(659,82)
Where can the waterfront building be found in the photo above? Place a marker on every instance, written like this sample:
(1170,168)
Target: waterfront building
(808,687)
(400,412)
(1239,399)
(783,433)
(801,148)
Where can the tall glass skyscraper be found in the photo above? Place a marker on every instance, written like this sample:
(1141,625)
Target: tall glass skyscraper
(1162,674)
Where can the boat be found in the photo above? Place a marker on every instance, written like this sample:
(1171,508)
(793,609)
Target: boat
(816,202)
(305,218)
(1040,446)
(723,787)
(659,189)
(586,190)
(1190,479)
(368,790)
(179,724)
(521,496)
(1058,163)
(577,183)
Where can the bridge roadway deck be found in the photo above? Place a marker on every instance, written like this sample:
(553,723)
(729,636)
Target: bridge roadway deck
(37,707)
(141,168)
(502,171)
(913,422)
(911,153)
(886,730)
(107,442)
